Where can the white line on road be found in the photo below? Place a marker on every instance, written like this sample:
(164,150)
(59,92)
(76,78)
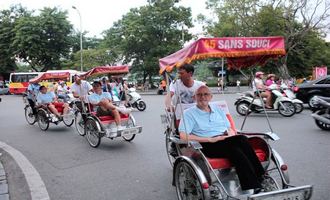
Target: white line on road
(37,187)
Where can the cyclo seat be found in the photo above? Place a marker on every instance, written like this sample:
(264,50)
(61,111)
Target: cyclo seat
(259,145)
(108,119)
(59,106)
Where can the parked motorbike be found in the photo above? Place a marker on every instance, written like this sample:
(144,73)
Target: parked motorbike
(291,95)
(282,104)
(135,100)
(321,112)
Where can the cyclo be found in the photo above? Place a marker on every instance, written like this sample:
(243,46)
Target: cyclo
(95,127)
(43,116)
(194,175)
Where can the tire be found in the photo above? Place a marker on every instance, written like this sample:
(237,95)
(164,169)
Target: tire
(275,182)
(171,150)
(92,133)
(187,184)
(299,107)
(79,124)
(130,124)
(29,116)
(242,108)
(42,119)
(310,101)
(322,125)
(141,105)
(287,110)
(68,120)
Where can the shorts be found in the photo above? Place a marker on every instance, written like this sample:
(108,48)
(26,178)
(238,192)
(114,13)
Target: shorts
(101,112)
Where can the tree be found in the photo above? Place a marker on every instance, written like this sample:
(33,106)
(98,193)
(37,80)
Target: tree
(146,34)
(8,20)
(42,41)
(293,19)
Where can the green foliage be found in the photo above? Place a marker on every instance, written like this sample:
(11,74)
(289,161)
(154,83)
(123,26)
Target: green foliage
(149,33)
(42,41)
(202,71)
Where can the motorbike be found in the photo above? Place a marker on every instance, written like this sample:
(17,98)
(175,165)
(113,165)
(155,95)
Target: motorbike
(321,112)
(248,103)
(135,100)
(290,94)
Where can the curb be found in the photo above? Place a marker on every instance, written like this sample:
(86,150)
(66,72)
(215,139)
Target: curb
(4,192)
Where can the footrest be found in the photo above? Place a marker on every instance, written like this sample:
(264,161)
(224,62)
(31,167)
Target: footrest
(296,193)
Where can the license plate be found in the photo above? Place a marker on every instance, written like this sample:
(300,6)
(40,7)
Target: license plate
(297,193)
(130,132)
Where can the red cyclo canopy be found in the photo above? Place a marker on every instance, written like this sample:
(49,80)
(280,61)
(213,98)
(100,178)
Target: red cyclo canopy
(107,70)
(239,51)
(50,75)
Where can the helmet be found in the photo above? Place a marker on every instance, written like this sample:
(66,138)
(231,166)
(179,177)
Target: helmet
(270,75)
(258,74)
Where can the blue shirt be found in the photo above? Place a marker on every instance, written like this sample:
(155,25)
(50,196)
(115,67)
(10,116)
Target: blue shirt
(45,98)
(34,88)
(96,98)
(204,124)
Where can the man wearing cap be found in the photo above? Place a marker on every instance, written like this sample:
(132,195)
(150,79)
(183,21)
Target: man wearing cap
(260,88)
(104,105)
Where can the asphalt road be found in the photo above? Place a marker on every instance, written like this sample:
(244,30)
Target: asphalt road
(139,170)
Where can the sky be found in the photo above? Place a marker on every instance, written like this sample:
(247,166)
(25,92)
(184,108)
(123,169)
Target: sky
(99,15)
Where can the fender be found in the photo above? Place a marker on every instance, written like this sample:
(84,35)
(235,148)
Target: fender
(281,99)
(98,126)
(296,101)
(279,161)
(198,171)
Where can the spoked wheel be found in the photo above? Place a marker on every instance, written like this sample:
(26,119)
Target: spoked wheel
(141,105)
(130,124)
(242,108)
(42,118)
(29,116)
(92,133)
(286,108)
(299,107)
(171,150)
(322,125)
(79,124)
(68,120)
(273,180)
(187,183)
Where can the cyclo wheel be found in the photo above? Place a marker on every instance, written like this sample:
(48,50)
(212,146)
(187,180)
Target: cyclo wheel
(130,124)
(274,179)
(68,120)
(187,183)
(43,121)
(79,124)
(170,148)
(29,116)
(92,133)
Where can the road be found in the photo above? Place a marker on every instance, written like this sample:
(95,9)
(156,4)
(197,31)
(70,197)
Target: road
(139,170)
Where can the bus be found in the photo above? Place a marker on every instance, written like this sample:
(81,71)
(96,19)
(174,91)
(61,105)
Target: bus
(19,81)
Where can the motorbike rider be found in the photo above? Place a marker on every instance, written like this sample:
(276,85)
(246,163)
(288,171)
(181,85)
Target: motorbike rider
(260,89)
(270,79)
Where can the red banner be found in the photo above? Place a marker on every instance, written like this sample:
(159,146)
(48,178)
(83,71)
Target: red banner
(239,51)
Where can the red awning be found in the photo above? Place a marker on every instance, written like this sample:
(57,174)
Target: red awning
(50,75)
(239,51)
(112,70)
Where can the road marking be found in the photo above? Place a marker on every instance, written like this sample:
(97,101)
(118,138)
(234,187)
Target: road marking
(37,187)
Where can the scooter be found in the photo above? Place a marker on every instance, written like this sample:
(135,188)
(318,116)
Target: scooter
(135,100)
(289,93)
(321,112)
(248,103)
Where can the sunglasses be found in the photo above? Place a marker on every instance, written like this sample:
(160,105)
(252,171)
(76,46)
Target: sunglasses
(203,94)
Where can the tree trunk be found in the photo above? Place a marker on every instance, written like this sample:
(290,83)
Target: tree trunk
(283,68)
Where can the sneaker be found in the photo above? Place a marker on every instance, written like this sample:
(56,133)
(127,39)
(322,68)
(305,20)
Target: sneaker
(124,110)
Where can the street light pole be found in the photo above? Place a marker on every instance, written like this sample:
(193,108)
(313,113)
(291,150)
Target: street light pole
(81,48)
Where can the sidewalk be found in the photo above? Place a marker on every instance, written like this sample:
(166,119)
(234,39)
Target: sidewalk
(214,90)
